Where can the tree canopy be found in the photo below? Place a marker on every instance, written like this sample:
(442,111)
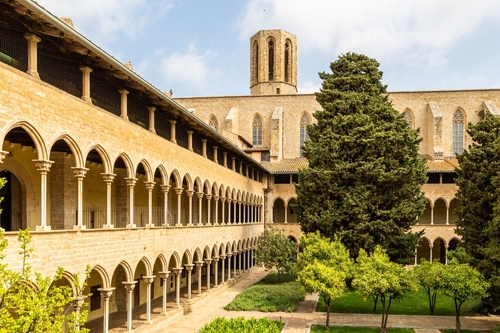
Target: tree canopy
(364,177)
(478,207)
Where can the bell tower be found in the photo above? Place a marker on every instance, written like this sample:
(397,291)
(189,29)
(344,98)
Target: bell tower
(273,63)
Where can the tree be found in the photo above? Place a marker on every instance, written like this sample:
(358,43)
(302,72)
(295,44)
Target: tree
(478,202)
(323,267)
(429,276)
(462,283)
(364,177)
(275,251)
(376,275)
(32,303)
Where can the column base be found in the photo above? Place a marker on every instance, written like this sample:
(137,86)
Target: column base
(150,225)
(79,227)
(108,226)
(43,228)
(131,226)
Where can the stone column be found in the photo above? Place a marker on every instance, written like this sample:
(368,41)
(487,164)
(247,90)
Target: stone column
(245,260)
(149,187)
(430,252)
(244,219)
(32,54)
(204,148)
(108,179)
(432,214)
(79,175)
(106,295)
(151,110)
(239,260)
(208,262)
(200,205)
(177,272)
(164,276)
(233,163)
(178,191)
(165,189)
(286,213)
(240,212)
(149,281)
(189,269)
(229,255)
(123,104)
(43,166)
(236,218)
(234,263)
(446,254)
(216,154)
(172,131)
(229,221)
(447,214)
(131,184)
(209,213)
(224,153)
(80,300)
(86,83)
(199,265)
(222,258)
(216,271)
(190,206)
(223,221)
(216,204)
(190,140)
(129,287)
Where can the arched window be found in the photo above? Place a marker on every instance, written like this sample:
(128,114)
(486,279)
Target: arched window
(271,60)
(214,123)
(257,131)
(256,61)
(304,122)
(409,118)
(458,133)
(287,62)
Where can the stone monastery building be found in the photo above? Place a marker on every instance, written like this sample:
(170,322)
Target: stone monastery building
(168,196)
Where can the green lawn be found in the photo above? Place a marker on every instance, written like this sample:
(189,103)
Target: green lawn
(241,324)
(412,304)
(268,295)
(346,329)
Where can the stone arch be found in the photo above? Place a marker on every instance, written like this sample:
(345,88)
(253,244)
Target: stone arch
(104,157)
(129,166)
(73,146)
(279,210)
(176,260)
(213,122)
(198,184)
(439,250)
(177,177)
(147,265)
(189,181)
(147,169)
(106,280)
(440,211)
(188,256)
(425,218)
(129,272)
(163,261)
(423,249)
(35,136)
(214,251)
(164,174)
(207,188)
(409,117)
(70,278)
(257,129)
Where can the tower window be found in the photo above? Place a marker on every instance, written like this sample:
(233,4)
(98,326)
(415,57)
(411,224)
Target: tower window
(271,60)
(256,61)
(257,131)
(409,118)
(287,62)
(304,122)
(458,133)
(214,123)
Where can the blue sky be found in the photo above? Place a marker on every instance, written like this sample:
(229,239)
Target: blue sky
(201,47)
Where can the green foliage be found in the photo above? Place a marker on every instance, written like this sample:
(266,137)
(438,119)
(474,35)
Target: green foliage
(269,295)
(462,282)
(364,177)
(323,267)
(349,329)
(30,302)
(377,276)
(478,206)
(275,251)
(460,255)
(240,324)
(429,277)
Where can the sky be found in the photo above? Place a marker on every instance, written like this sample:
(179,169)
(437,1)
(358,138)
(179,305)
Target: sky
(201,47)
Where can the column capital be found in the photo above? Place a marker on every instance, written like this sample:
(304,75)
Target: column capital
(178,270)
(216,197)
(108,177)
(164,275)
(229,200)
(178,190)
(86,69)
(3,155)
(43,165)
(32,38)
(199,263)
(151,108)
(223,257)
(79,172)
(106,292)
(209,261)
(189,267)
(199,195)
(215,259)
(148,279)
(189,193)
(173,121)
(149,185)
(208,196)
(129,286)
(229,255)
(165,188)
(130,181)
(123,91)
(223,199)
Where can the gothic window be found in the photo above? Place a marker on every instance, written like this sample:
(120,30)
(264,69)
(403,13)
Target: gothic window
(213,123)
(287,62)
(304,121)
(458,133)
(257,131)
(256,61)
(409,118)
(271,60)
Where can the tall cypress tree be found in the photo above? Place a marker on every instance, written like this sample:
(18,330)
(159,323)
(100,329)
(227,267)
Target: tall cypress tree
(364,177)
(478,197)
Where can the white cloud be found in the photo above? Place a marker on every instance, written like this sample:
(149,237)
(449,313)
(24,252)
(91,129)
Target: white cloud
(406,31)
(309,87)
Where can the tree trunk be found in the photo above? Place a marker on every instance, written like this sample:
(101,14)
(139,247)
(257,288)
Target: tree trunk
(328,301)
(387,313)
(433,303)
(457,315)
(375,301)
(382,327)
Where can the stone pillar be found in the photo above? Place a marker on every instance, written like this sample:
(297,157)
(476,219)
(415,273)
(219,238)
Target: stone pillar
(216,156)
(241,168)
(234,263)
(32,54)
(208,262)
(200,206)
(245,259)
(151,110)
(172,131)
(446,254)
(199,265)
(177,272)
(223,221)
(106,295)
(165,189)
(190,140)
(224,153)
(430,252)
(79,175)
(190,206)
(108,179)
(43,166)
(130,185)
(222,258)
(178,191)
(129,287)
(235,221)
(149,281)
(209,206)
(240,219)
(239,260)
(123,104)
(149,187)
(447,214)
(164,276)
(229,221)
(432,214)
(233,163)
(416,256)
(189,269)
(204,148)
(244,219)
(216,271)
(86,83)
(216,217)
(286,213)
(229,255)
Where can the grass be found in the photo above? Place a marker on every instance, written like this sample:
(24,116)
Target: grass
(412,304)
(347,329)
(268,295)
(241,324)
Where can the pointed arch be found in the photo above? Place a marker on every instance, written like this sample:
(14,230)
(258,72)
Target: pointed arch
(177,259)
(38,141)
(73,146)
(305,120)
(147,169)
(458,124)
(257,130)
(106,281)
(271,47)
(147,265)
(103,154)
(213,122)
(164,174)
(409,117)
(128,270)
(128,164)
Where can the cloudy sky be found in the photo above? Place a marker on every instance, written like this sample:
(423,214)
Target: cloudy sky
(201,48)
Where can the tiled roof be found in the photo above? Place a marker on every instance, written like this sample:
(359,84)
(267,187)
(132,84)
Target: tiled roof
(287,165)
(256,148)
(446,165)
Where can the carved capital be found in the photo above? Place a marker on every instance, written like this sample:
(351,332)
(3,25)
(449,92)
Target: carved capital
(216,197)
(130,181)
(178,190)
(208,196)
(148,279)
(199,195)
(177,270)
(108,177)
(129,286)
(3,154)
(149,185)
(165,188)
(199,264)
(189,193)
(215,259)
(189,267)
(209,261)
(106,293)
(79,172)
(43,165)
(164,275)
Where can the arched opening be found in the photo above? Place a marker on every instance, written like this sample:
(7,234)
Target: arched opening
(12,217)
(95,307)
(278,211)
(291,216)
(287,62)
(440,212)
(122,197)
(270,49)
(453,215)
(423,250)
(95,206)
(439,251)
(425,218)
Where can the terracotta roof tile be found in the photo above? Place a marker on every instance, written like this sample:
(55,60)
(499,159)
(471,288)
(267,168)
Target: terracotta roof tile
(287,165)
